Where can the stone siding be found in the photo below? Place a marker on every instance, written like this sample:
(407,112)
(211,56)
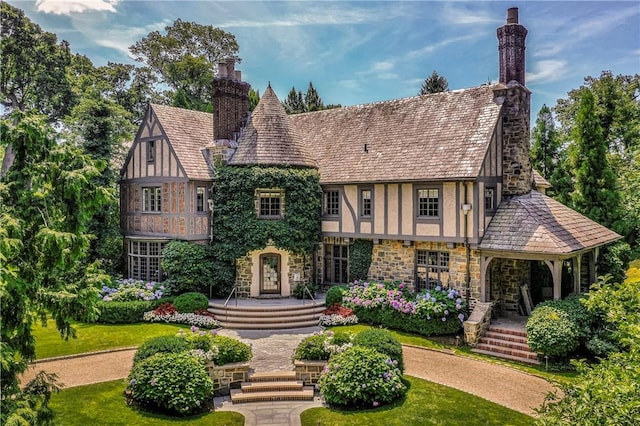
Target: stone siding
(309,371)
(507,276)
(228,376)
(297,264)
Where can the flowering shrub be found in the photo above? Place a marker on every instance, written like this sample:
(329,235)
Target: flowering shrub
(164,344)
(189,319)
(173,383)
(337,315)
(382,341)
(321,345)
(230,350)
(431,312)
(361,377)
(165,309)
(551,331)
(128,290)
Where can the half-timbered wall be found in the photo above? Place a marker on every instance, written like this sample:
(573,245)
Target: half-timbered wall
(394,213)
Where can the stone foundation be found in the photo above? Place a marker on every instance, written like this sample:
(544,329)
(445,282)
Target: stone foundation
(309,371)
(228,376)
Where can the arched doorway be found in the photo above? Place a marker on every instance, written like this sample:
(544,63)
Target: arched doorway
(270,273)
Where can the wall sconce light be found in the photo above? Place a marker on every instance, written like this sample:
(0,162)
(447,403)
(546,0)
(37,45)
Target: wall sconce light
(466,208)
(407,243)
(210,203)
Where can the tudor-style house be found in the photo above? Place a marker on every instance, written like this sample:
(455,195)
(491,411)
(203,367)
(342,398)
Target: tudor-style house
(441,184)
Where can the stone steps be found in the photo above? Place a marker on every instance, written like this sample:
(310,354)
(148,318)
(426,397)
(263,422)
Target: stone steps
(272,386)
(267,317)
(508,344)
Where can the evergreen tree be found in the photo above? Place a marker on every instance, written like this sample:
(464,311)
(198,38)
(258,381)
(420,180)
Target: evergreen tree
(294,103)
(254,98)
(435,83)
(312,100)
(545,143)
(595,194)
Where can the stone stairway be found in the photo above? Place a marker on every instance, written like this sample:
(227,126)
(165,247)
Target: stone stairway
(267,316)
(506,343)
(272,386)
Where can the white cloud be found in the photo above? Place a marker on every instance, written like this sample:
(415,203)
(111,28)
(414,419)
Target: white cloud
(67,7)
(431,48)
(547,71)
(460,15)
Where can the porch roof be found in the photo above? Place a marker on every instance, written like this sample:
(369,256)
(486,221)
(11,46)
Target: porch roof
(536,223)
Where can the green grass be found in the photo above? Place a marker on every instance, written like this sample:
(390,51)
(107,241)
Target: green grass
(426,403)
(103,404)
(96,337)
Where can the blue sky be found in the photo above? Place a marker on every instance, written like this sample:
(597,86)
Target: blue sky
(362,51)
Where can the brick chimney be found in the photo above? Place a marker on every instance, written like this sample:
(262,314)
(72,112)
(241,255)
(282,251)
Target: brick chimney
(516,107)
(230,109)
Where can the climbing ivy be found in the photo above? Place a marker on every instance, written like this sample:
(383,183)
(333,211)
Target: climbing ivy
(238,230)
(360,254)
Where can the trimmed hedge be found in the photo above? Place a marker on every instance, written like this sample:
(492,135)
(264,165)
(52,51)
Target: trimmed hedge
(190,302)
(418,324)
(126,312)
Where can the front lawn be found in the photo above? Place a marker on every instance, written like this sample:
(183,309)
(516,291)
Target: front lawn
(426,403)
(96,337)
(103,404)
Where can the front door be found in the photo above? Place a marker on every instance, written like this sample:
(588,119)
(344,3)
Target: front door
(270,273)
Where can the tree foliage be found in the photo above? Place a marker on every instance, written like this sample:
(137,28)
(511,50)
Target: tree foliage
(185,59)
(297,103)
(595,194)
(47,200)
(545,145)
(435,83)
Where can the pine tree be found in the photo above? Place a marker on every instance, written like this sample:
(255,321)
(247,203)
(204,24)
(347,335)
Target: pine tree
(595,194)
(312,100)
(545,143)
(294,103)
(435,83)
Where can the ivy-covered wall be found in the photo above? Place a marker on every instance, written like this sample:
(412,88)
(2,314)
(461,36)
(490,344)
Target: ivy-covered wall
(237,229)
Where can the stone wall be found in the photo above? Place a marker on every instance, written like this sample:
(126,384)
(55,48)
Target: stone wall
(228,376)
(507,276)
(297,264)
(309,371)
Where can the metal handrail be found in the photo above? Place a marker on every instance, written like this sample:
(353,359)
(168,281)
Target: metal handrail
(306,290)
(226,302)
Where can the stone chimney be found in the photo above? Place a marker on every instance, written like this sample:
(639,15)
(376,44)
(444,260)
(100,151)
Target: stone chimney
(516,107)
(230,104)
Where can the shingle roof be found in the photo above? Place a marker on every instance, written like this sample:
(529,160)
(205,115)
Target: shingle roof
(535,223)
(188,132)
(270,139)
(436,136)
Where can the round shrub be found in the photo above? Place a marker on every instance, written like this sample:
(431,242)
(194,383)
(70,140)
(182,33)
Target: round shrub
(230,350)
(190,302)
(551,331)
(312,348)
(361,377)
(578,313)
(382,341)
(170,383)
(160,344)
(334,295)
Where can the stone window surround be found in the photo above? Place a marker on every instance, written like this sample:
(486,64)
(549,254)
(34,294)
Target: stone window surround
(270,203)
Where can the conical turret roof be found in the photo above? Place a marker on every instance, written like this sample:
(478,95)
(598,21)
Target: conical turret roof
(269,138)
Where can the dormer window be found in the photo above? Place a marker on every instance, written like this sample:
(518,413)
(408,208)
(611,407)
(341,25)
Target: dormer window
(151,151)
(270,203)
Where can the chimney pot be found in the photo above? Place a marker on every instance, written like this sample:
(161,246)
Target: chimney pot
(237,75)
(512,15)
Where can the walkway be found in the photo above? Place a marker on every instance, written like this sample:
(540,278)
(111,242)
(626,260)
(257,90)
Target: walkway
(272,351)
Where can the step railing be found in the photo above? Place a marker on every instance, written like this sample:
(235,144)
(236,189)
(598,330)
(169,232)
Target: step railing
(226,302)
(305,289)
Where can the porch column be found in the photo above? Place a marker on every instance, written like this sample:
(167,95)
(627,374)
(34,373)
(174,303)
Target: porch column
(484,265)
(577,273)
(556,272)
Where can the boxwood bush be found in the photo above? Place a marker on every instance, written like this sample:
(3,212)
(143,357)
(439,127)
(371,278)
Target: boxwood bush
(171,383)
(190,302)
(335,294)
(126,312)
(361,377)
(551,331)
(160,344)
(382,341)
